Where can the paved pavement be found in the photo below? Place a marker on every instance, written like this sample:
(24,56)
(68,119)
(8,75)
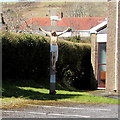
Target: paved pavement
(66,111)
(106,94)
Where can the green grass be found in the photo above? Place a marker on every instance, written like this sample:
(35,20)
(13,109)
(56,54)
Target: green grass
(62,95)
(16,97)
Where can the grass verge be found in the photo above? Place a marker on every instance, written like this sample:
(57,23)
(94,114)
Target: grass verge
(17,97)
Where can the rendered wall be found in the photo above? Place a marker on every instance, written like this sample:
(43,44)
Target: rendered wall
(119,45)
(111,81)
(94,53)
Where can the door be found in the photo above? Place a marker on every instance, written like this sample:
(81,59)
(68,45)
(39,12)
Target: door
(101,64)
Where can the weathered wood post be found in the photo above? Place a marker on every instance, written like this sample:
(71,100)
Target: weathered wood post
(53,50)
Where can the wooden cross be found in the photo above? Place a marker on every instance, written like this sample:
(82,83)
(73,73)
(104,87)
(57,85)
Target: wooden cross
(53,56)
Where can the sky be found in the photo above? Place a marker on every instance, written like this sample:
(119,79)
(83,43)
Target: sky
(12,0)
(55,0)
(8,0)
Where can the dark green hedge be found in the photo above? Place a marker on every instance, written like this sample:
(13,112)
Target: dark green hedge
(79,39)
(74,65)
(24,56)
(27,56)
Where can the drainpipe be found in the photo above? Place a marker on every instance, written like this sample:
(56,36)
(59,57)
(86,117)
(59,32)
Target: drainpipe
(116,50)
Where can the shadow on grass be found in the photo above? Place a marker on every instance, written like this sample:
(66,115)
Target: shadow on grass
(14,91)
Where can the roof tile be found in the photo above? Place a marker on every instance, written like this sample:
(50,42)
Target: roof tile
(77,23)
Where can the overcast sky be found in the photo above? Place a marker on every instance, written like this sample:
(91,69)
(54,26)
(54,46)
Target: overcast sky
(12,0)
(8,0)
(58,0)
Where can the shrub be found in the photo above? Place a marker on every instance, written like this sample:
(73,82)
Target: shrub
(74,39)
(27,56)
(74,65)
(78,39)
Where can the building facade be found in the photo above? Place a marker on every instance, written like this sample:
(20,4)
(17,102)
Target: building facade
(105,56)
(80,25)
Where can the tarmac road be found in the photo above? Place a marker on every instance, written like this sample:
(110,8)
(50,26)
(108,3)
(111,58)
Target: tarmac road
(64,111)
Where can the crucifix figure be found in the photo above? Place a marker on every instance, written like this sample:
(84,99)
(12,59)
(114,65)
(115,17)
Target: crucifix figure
(53,55)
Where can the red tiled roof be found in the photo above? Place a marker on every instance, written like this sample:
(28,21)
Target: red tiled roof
(78,23)
(40,21)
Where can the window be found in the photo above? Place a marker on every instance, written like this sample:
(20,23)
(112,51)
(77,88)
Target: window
(101,64)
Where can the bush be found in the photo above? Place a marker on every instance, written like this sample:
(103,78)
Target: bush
(74,39)
(27,56)
(78,39)
(74,65)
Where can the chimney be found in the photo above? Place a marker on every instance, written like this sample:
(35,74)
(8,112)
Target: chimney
(61,15)
(54,20)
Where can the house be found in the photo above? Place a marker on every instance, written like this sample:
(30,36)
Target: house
(98,52)
(105,48)
(80,25)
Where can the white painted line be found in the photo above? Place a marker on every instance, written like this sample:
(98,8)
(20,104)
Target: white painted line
(27,112)
(77,108)
(37,113)
(11,111)
(50,114)
(70,115)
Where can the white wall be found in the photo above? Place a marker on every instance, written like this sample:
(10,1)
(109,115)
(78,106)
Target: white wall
(84,34)
(67,34)
(101,37)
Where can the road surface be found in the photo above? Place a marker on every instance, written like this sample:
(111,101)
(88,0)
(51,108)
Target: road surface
(66,111)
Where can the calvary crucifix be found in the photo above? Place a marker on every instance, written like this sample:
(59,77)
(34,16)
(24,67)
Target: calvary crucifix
(54,55)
